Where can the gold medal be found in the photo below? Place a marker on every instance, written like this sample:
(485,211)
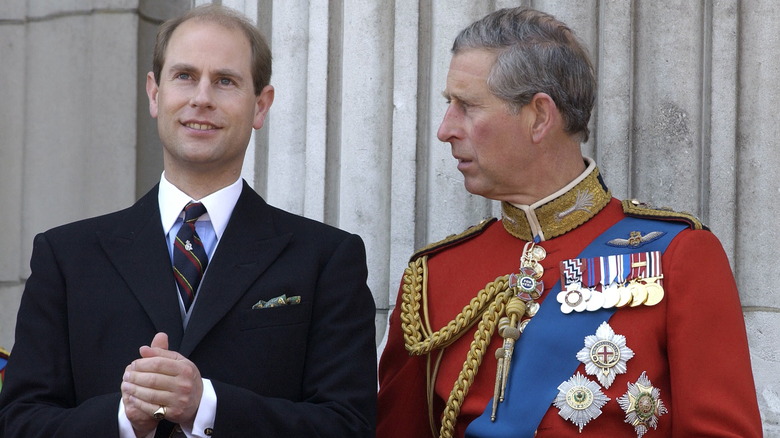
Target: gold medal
(655,292)
(625,295)
(638,294)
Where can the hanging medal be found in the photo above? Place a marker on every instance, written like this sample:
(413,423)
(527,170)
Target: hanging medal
(606,277)
(574,295)
(642,405)
(611,291)
(605,354)
(655,291)
(527,286)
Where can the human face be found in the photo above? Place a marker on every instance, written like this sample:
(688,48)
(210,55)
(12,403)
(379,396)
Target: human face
(205,103)
(491,143)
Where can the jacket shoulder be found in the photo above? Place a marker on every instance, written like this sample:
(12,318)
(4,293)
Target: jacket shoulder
(638,209)
(454,239)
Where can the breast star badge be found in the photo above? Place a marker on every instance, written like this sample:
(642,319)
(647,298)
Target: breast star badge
(605,354)
(580,400)
(642,405)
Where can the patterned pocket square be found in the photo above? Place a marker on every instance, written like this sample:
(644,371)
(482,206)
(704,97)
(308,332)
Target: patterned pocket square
(281,300)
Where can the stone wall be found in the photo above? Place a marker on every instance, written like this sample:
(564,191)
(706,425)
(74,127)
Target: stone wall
(685,118)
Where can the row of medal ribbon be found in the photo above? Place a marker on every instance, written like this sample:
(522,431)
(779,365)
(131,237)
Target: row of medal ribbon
(592,283)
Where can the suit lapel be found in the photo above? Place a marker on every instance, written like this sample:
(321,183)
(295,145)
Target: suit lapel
(138,250)
(248,246)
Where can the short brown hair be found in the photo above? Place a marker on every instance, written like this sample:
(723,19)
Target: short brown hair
(228,18)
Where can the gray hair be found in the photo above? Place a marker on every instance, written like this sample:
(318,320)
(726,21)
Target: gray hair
(536,53)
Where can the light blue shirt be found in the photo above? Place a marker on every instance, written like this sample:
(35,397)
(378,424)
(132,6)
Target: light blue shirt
(210,227)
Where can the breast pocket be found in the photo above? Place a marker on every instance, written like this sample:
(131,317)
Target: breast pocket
(290,314)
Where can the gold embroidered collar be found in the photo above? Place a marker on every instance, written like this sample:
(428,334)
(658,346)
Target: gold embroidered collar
(560,212)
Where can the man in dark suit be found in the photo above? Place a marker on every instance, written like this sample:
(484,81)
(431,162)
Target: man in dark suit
(258,323)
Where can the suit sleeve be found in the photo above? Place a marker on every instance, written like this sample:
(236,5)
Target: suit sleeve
(403,410)
(712,382)
(38,398)
(339,384)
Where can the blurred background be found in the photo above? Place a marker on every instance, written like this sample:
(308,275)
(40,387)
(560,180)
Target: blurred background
(685,119)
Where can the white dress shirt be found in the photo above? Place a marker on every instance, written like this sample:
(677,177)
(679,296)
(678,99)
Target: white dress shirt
(210,227)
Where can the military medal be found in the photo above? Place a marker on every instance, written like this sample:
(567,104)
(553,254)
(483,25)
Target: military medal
(605,354)
(574,298)
(590,284)
(579,400)
(642,405)
(526,286)
(655,292)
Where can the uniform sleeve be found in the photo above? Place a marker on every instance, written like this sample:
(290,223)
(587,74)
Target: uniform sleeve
(402,406)
(711,377)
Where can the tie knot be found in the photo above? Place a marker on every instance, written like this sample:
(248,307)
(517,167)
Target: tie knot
(193,211)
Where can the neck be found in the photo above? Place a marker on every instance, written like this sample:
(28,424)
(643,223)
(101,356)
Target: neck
(198,186)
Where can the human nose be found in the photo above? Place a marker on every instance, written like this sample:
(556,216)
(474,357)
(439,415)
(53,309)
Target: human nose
(448,127)
(202,95)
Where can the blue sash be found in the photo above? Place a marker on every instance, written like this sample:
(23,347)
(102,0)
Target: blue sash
(545,354)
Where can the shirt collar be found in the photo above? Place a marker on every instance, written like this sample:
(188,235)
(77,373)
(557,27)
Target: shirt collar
(219,205)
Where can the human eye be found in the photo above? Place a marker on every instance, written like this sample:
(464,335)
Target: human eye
(182,76)
(225,82)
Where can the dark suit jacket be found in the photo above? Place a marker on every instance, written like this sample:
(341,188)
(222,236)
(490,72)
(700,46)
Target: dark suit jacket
(102,287)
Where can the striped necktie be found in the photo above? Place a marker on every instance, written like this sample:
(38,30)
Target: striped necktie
(189,256)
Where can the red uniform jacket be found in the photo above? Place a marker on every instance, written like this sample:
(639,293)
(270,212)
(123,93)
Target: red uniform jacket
(692,345)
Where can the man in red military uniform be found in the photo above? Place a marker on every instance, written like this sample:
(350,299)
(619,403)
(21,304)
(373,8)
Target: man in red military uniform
(575,314)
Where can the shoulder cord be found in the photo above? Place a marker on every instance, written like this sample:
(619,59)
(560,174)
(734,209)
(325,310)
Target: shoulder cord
(490,303)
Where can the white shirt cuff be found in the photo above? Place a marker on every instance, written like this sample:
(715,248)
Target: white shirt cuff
(207,412)
(204,419)
(125,427)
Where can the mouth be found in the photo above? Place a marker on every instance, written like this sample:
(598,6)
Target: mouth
(200,126)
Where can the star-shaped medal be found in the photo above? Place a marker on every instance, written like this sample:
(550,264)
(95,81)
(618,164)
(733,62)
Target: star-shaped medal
(579,400)
(642,405)
(605,354)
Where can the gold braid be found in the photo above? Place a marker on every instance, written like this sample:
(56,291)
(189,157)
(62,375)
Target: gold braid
(490,302)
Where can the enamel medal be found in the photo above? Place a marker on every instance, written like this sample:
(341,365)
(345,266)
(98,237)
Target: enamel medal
(642,405)
(605,354)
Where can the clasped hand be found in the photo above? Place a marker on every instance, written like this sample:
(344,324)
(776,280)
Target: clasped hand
(160,378)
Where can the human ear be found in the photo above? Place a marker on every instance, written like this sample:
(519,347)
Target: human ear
(263,103)
(151,92)
(546,116)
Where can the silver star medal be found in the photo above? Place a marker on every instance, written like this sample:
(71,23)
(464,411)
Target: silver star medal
(188,245)
(579,400)
(605,354)
(642,405)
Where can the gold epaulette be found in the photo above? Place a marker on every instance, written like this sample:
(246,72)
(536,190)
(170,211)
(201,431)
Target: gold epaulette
(454,239)
(634,208)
